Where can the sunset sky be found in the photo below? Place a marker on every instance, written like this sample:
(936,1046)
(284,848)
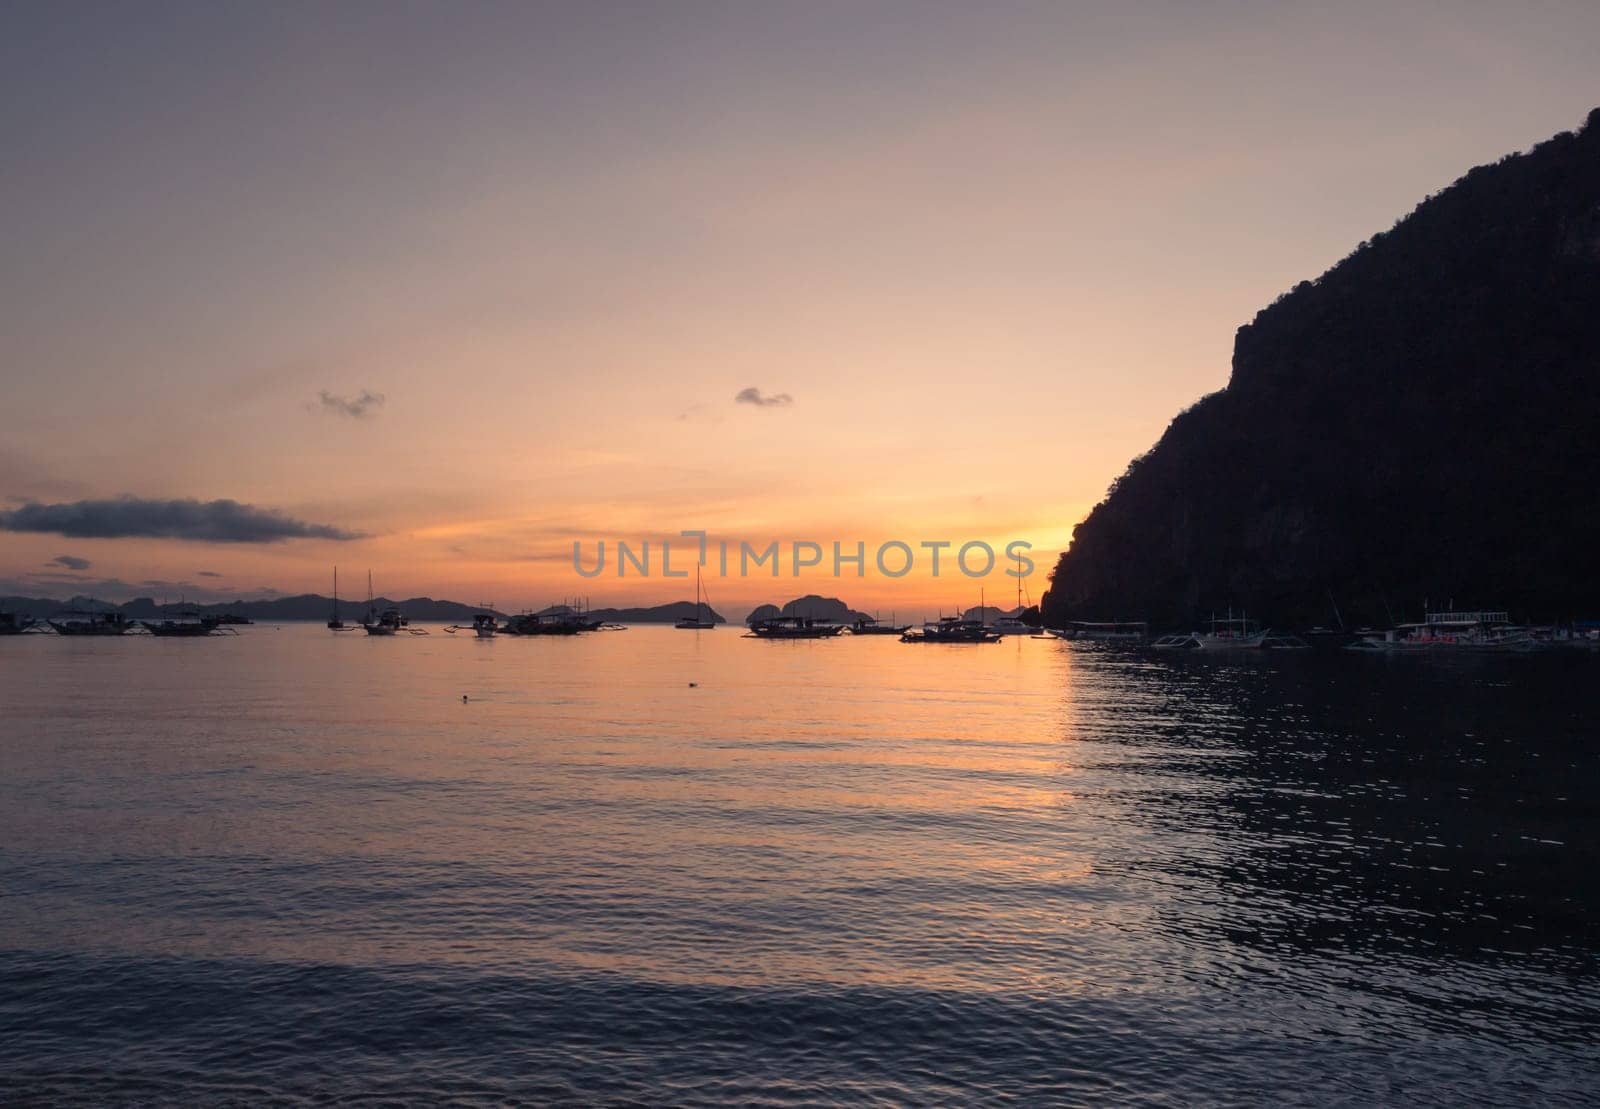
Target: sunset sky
(468,281)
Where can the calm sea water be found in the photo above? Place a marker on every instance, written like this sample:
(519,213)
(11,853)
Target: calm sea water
(294,865)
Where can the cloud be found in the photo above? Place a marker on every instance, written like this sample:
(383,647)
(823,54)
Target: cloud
(198,521)
(71,562)
(755,396)
(359,407)
(701,414)
(207,574)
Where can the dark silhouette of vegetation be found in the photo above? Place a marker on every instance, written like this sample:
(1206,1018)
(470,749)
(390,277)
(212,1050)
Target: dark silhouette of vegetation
(1421,423)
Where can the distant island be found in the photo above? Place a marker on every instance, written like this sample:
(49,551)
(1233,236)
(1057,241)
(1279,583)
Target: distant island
(811,607)
(1418,425)
(833,610)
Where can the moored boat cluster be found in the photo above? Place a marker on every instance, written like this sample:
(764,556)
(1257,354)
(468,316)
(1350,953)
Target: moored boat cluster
(1487,631)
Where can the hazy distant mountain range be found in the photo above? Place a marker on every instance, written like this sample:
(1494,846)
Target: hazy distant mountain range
(314,606)
(1416,425)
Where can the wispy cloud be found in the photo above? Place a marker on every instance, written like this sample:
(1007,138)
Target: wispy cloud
(71,562)
(221,521)
(753,395)
(358,407)
(207,574)
(700,414)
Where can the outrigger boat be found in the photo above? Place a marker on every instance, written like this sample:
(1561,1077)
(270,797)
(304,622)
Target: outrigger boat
(15,623)
(952,629)
(1108,630)
(90,623)
(387,622)
(1450,631)
(1229,633)
(545,623)
(182,625)
(484,625)
(794,627)
(868,625)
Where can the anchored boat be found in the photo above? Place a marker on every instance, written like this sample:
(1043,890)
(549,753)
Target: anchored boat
(1450,631)
(545,623)
(794,627)
(1122,630)
(387,622)
(1228,633)
(334,623)
(868,625)
(952,629)
(15,623)
(90,623)
(700,621)
(182,625)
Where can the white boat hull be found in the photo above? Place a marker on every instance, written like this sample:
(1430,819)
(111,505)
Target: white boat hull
(1230,642)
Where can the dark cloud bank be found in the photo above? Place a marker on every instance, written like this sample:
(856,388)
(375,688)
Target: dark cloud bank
(222,521)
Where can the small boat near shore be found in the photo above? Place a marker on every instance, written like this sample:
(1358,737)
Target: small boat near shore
(1012,624)
(1115,630)
(1490,631)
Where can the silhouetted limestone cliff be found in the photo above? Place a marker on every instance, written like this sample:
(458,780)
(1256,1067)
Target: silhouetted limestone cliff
(1421,422)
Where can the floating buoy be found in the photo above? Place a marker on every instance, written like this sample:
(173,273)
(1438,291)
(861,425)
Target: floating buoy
(693,684)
